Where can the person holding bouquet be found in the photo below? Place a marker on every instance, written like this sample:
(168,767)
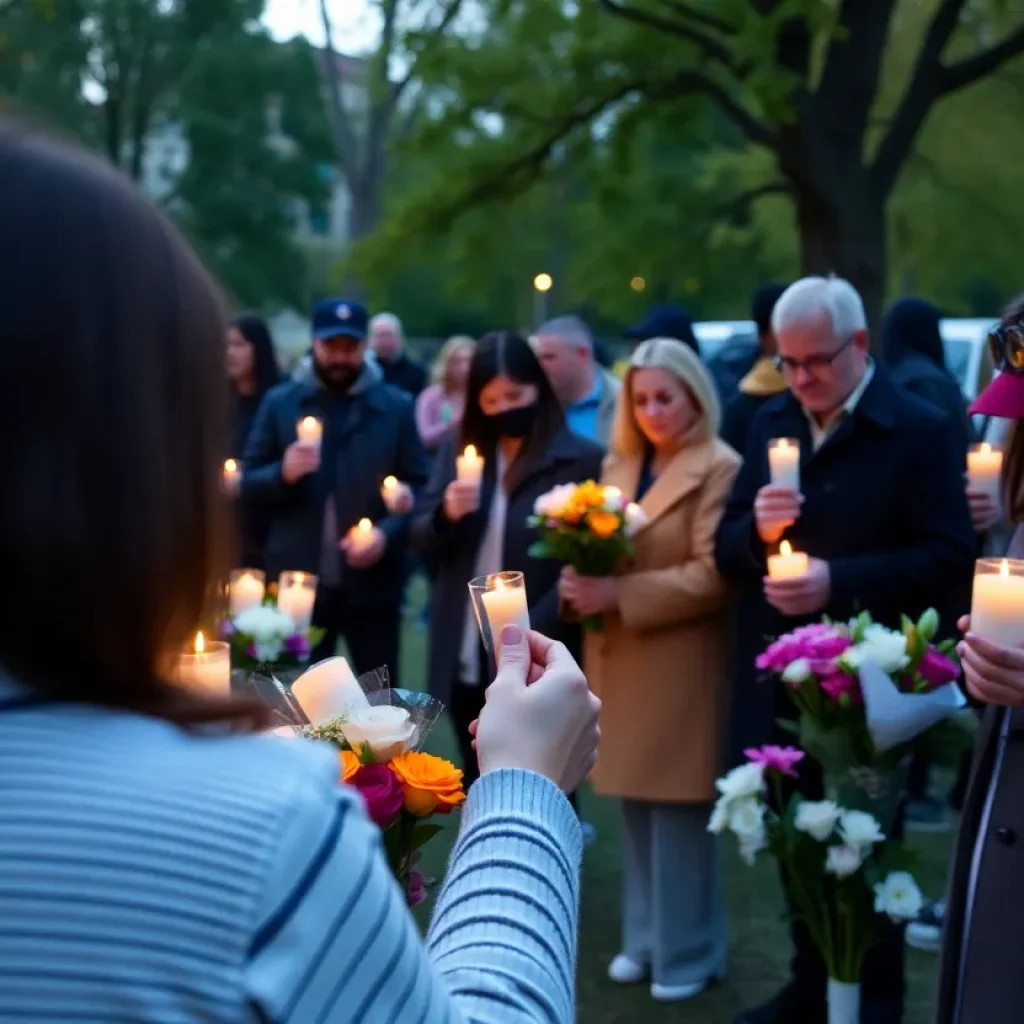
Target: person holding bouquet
(471,528)
(660,667)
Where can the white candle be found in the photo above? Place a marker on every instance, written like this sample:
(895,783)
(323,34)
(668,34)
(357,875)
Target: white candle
(997,604)
(286,732)
(787,564)
(232,472)
(469,465)
(296,593)
(310,431)
(504,603)
(329,689)
(361,534)
(247,588)
(784,462)
(207,667)
(985,469)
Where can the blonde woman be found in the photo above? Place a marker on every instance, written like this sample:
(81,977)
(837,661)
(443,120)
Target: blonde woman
(660,668)
(440,405)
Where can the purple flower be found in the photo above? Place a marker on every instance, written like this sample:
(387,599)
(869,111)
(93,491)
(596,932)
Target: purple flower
(937,669)
(227,627)
(417,891)
(780,759)
(819,644)
(381,792)
(251,652)
(298,646)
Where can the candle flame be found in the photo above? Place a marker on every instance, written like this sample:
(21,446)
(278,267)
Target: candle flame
(365,526)
(470,452)
(785,548)
(230,466)
(985,448)
(298,578)
(495,582)
(784,443)
(310,422)
(200,643)
(390,483)
(1004,568)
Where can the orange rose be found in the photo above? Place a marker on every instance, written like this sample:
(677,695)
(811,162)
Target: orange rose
(350,764)
(602,524)
(432,785)
(590,494)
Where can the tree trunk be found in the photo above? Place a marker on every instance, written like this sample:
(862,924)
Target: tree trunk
(363,217)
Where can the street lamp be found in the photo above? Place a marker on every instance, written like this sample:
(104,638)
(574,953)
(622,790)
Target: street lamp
(541,286)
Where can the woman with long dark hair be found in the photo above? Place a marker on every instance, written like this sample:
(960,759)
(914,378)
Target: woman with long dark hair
(252,372)
(514,420)
(158,863)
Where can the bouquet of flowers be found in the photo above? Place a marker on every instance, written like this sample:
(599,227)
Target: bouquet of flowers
(379,733)
(263,638)
(867,697)
(847,879)
(588,526)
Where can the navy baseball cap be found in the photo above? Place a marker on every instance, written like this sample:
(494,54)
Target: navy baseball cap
(665,321)
(339,318)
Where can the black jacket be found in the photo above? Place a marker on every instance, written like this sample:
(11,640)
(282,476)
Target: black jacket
(453,547)
(405,374)
(378,439)
(884,505)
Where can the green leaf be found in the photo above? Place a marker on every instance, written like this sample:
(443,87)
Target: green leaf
(423,833)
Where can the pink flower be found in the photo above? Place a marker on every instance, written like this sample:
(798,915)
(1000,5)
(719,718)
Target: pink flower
(937,669)
(417,891)
(839,685)
(780,759)
(820,644)
(381,792)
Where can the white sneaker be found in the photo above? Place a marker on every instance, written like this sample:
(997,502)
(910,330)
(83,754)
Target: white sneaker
(677,993)
(624,970)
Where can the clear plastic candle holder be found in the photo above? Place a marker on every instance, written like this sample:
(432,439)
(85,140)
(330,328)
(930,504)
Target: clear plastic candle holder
(498,600)
(997,603)
(246,589)
(296,595)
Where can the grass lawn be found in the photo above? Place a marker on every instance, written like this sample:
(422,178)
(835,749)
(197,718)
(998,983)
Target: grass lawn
(759,946)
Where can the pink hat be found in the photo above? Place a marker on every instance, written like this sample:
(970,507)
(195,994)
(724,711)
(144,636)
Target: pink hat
(1004,397)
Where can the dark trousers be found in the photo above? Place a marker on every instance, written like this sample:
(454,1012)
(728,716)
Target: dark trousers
(466,704)
(371,635)
(882,982)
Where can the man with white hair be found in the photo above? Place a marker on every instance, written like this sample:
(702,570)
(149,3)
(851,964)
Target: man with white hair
(387,340)
(588,392)
(880,510)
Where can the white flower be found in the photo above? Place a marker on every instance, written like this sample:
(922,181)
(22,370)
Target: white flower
(387,730)
(745,781)
(817,818)
(719,817)
(551,504)
(796,671)
(268,651)
(613,499)
(860,830)
(898,897)
(887,648)
(843,861)
(746,818)
(750,847)
(264,623)
(636,518)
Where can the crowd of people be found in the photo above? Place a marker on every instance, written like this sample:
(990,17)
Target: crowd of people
(158,867)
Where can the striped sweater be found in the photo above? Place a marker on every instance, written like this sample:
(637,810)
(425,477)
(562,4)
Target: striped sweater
(154,877)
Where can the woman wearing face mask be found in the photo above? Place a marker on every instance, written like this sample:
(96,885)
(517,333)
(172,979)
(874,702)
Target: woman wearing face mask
(660,668)
(515,422)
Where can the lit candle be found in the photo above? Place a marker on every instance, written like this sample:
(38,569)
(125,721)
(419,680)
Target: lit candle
(310,431)
(469,466)
(395,494)
(232,472)
(504,602)
(997,604)
(361,534)
(206,667)
(296,592)
(985,469)
(247,588)
(787,564)
(784,462)
(329,689)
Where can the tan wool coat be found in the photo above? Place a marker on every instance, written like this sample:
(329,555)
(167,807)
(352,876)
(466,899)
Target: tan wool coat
(661,666)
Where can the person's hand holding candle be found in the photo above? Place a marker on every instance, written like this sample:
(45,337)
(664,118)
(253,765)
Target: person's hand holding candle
(364,545)
(776,509)
(461,498)
(805,594)
(993,673)
(587,595)
(231,479)
(397,496)
(300,459)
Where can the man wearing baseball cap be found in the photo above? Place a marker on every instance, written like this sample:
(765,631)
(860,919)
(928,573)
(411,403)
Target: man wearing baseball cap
(322,482)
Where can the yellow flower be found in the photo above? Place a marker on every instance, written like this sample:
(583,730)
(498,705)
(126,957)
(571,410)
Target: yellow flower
(589,494)
(349,765)
(431,784)
(602,524)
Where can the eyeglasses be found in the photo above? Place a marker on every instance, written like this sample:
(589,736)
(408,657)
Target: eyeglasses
(1006,343)
(812,364)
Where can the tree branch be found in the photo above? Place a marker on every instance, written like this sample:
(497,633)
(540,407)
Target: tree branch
(709,45)
(344,136)
(986,62)
(684,10)
(692,81)
(451,12)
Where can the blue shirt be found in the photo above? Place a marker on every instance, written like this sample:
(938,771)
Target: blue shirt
(581,416)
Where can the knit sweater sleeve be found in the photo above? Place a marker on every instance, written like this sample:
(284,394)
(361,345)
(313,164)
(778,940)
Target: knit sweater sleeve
(334,943)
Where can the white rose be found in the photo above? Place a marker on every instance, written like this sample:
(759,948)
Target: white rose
(817,818)
(719,817)
(613,499)
(745,781)
(885,647)
(843,861)
(268,651)
(264,622)
(898,897)
(746,818)
(636,518)
(387,730)
(796,671)
(552,503)
(750,847)
(860,830)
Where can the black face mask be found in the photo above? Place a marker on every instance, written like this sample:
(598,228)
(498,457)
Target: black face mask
(514,422)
